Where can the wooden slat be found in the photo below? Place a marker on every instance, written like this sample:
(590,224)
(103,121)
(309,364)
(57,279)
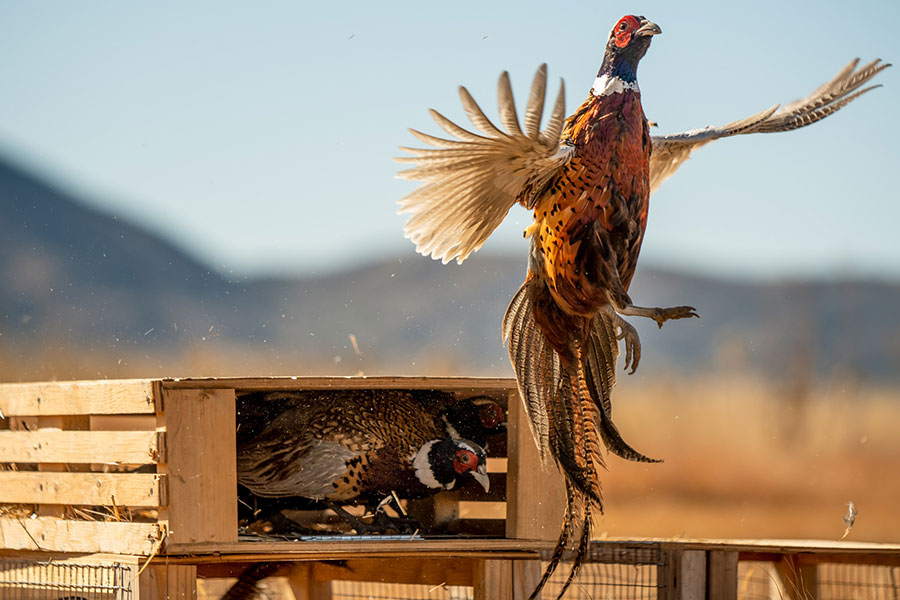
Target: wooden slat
(306,383)
(799,579)
(493,580)
(127,396)
(785,546)
(722,571)
(69,422)
(685,572)
(417,571)
(125,489)
(168,582)
(375,548)
(525,577)
(305,586)
(83,447)
(61,535)
(535,496)
(202,466)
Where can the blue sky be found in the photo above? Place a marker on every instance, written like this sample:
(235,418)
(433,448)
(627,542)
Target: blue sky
(260,135)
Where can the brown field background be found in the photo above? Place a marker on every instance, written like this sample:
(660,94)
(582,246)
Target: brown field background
(744,457)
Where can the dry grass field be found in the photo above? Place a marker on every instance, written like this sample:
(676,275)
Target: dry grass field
(748,460)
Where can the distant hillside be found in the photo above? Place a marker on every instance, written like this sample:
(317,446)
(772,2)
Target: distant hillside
(76,283)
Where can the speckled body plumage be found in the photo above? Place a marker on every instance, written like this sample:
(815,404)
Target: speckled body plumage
(589,225)
(341,446)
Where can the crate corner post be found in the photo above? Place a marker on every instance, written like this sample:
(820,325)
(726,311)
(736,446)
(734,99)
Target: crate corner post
(201,466)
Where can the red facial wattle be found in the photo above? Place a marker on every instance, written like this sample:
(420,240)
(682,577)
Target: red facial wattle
(624,30)
(465,461)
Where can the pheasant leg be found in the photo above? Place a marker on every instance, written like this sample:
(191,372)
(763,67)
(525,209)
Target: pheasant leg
(660,315)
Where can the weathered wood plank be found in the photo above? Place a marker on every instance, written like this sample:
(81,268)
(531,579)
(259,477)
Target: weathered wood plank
(525,577)
(83,447)
(168,582)
(685,575)
(305,586)
(126,396)
(493,580)
(535,496)
(202,466)
(779,546)
(722,572)
(468,548)
(61,535)
(122,489)
(799,579)
(462,384)
(419,571)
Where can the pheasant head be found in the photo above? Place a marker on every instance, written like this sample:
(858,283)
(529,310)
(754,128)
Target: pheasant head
(627,44)
(445,464)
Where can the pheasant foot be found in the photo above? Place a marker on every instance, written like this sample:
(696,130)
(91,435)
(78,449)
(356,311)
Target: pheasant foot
(660,315)
(629,335)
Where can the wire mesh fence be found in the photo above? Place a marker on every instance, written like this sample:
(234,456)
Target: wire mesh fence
(614,571)
(29,580)
(852,582)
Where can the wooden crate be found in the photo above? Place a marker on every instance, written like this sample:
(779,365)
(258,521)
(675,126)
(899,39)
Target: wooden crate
(71,443)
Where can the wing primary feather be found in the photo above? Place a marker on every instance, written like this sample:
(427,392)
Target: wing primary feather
(507,105)
(670,151)
(535,109)
(454,129)
(477,116)
(551,133)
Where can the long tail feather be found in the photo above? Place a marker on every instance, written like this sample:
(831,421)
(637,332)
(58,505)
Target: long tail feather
(561,543)
(581,553)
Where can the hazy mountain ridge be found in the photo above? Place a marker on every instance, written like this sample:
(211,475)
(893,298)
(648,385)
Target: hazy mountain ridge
(78,279)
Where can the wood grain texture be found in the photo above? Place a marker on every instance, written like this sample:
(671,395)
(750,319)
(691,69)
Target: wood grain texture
(462,384)
(525,577)
(685,575)
(376,548)
(799,579)
(83,447)
(305,586)
(168,582)
(722,574)
(417,571)
(200,439)
(61,535)
(535,495)
(126,396)
(122,489)
(493,580)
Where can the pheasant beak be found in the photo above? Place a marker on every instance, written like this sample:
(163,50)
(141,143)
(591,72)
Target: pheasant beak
(648,28)
(481,477)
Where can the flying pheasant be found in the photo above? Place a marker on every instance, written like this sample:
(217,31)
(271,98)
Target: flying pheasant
(351,447)
(588,179)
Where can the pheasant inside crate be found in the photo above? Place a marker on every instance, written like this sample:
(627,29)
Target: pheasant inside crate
(371,461)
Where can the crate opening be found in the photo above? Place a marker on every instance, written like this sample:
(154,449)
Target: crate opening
(356,446)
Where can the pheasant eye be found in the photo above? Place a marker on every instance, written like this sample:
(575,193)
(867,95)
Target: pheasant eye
(623,26)
(465,457)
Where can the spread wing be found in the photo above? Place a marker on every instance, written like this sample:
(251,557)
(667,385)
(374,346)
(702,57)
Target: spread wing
(669,151)
(474,179)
